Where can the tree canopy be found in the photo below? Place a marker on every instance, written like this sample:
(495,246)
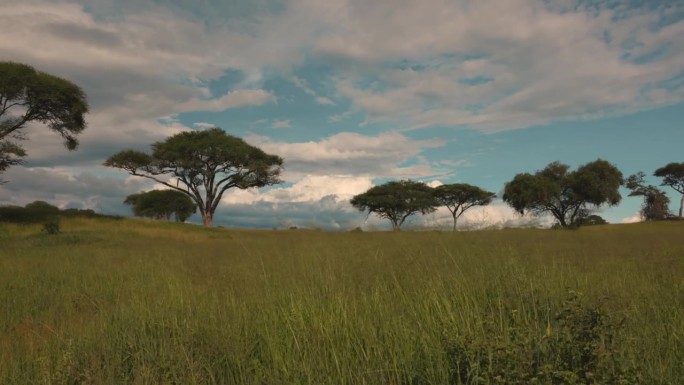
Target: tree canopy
(27,95)
(396,201)
(656,202)
(673,176)
(202,165)
(460,197)
(162,204)
(567,195)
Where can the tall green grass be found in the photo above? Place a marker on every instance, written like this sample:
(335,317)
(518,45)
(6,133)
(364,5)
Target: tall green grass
(141,302)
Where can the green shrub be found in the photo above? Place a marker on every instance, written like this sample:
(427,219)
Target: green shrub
(579,347)
(51,226)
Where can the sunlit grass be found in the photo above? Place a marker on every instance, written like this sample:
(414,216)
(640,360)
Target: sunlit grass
(141,302)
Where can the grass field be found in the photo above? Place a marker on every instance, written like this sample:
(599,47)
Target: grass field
(140,302)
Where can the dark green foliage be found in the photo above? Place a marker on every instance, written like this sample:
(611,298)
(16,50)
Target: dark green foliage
(460,197)
(10,155)
(578,346)
(40,211)
(655,205)
(42,206)
(591,220)
(567,195)
(673,176)
(27,95)
(162,204)
(51,226)
(396,201)
(205,164)
(35,212)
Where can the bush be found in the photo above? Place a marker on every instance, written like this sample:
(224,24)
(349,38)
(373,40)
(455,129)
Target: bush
(51,226)
(579,348)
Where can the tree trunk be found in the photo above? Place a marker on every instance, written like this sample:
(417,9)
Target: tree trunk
(206,218)
(562,222)
(455,221)
(395,225)
(681,206)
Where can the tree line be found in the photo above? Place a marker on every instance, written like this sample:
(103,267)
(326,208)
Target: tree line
(198,167)
(570,197)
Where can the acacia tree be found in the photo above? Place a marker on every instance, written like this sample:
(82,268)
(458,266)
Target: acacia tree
(568,196)
(459,197)
(673,176)
(162,204)
(202,165)
(27,95)
(655,205)
(396,201)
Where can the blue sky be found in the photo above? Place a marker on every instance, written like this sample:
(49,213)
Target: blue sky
(354,93)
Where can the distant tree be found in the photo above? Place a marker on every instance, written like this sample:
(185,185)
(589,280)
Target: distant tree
(568,196)
(33,212)
(203,165)
(673,176)
(42,206)
(656,202)
(27,95)
(460,197)
(162,204)
(396,201)
(592,220)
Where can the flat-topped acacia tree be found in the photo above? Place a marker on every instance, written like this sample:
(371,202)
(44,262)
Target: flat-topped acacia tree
(396,201)
(673,176)
(459,197)
(202,165)
(30,96)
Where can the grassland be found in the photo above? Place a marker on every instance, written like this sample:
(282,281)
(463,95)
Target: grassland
(138,302)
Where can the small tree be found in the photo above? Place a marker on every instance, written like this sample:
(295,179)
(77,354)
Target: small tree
(592,220)
(162,204)
(396,201)
(460,197)
(656,202)
(568,196)
(673,176)
(202,165)
(27,95)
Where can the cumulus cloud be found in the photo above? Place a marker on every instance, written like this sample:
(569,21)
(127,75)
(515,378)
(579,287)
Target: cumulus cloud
(632,218)
(348,153)
(66,187)
(136,69)
(494,65)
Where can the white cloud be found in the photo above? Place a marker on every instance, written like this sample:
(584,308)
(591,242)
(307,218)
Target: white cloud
(632,218)
(495,215)
(349,153)
(65,187)
(204,125)
(494,65)
(310,188)
(233,99)
(284,123)
(324,101)
(136,69)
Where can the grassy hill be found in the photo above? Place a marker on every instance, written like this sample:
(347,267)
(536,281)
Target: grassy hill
(124,301)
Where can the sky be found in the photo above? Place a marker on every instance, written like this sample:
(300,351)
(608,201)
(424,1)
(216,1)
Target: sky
(354,93)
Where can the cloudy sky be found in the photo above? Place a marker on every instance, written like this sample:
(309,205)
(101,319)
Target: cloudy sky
(352,93)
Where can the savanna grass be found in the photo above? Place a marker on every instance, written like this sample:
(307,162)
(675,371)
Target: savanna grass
(142,302)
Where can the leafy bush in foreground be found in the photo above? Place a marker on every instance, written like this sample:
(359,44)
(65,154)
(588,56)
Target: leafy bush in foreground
(581,349)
